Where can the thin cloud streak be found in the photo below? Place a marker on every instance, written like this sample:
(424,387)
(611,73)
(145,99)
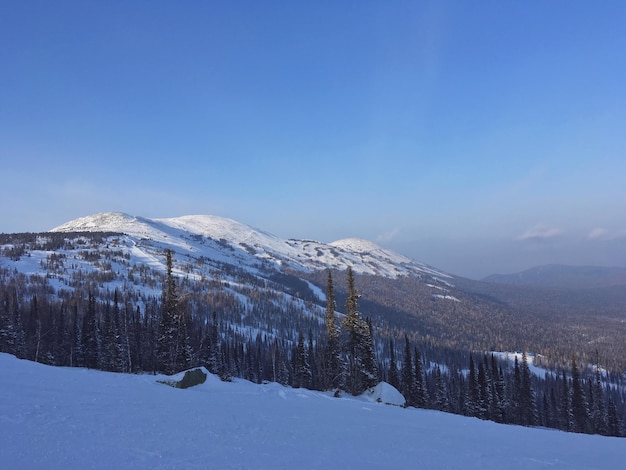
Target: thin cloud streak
(540,232)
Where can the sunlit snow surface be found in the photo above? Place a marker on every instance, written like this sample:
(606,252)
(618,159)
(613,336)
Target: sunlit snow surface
(227,240)
(60,418)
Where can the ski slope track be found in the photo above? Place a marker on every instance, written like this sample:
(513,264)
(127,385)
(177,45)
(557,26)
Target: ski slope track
(59,418)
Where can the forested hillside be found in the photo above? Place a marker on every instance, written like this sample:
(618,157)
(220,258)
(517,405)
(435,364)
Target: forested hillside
(117,303)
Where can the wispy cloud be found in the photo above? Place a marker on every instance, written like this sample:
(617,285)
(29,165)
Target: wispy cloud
(540,232)
(388,236)
(598,233)
(603,234)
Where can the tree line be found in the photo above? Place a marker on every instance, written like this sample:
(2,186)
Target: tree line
(344,356)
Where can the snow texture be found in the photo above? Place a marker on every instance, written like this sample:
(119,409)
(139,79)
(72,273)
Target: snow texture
(60,418)
(227,240)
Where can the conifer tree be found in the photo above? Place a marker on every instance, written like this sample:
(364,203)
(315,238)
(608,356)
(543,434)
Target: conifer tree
(408,379)
(441,392)
(110,348)
(528,405)
(552,415)
(302,368)
(213,356)
(77,357)
(566,417)
(473,393)
(483,395)
(370,365)
(33,331)
(334,364)
(613,424)
(580,409)
(598,415)
(173,351)
(91,335)
(516,394)
(420,395)
(498,402)
(361,370)
(394,378)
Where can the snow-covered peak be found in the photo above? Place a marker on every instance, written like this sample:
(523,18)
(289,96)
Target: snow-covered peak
(102,222)
(359,245)
(216,227)
(356,244)
(233,242)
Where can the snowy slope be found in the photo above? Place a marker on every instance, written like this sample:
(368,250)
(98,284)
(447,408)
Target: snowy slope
(58,418)
(222,239)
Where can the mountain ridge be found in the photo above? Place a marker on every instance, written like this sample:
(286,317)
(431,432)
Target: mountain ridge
(563,276)
(189,232)
(259,283)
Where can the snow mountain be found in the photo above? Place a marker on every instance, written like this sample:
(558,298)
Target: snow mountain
(219,238)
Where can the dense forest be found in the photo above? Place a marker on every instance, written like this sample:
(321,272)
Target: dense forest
(294,340)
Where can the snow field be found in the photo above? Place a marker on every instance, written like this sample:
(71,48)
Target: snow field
(59,418)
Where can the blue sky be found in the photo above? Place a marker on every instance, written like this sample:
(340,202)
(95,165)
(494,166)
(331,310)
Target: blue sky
(478,137)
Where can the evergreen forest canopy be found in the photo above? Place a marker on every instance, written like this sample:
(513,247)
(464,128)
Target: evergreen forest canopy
(161,322)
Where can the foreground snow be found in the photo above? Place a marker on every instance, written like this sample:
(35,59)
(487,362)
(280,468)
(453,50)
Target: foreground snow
(74,418)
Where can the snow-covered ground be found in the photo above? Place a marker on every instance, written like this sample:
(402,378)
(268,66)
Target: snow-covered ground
(60,418)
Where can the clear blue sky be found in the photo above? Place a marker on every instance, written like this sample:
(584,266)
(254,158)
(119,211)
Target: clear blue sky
(478,137)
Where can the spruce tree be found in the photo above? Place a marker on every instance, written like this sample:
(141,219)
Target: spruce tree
(566,417)
(172,350)
(77,357)
(598,414)
(302,368)
(580,409)
(394,378)
(498,401)
(91,335)
(408,379)
(473,393)
(516,394)
(334,365)
(528,405)
(370,365)
(613,424)
(420,396)
(362,370)
(441,392)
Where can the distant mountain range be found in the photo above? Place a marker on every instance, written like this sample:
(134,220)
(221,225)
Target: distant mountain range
(261,284)
(562,276)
